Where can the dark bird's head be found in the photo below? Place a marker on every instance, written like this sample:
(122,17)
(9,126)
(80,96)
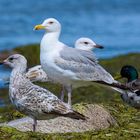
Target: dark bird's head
(129,72)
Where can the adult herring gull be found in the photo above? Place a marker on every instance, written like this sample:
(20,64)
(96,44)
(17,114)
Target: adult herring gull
(36,73)
(66,65)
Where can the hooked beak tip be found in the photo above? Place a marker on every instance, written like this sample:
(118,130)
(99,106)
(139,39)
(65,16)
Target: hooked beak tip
(39,27)
(98,46)
(101,47)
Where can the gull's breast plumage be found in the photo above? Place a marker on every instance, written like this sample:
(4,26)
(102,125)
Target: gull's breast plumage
(48,58)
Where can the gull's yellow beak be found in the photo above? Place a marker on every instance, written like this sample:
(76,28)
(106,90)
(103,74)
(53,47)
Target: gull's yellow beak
(39,27)
(117,77)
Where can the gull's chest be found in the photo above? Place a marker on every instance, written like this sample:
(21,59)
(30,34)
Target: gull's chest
(47,59)
(49,66)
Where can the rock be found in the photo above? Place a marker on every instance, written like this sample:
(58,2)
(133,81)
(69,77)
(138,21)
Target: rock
(98,118)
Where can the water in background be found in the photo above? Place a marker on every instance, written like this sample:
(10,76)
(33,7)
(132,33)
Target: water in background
(114,24)
(111,23)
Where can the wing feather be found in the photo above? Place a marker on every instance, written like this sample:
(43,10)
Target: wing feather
(83,64)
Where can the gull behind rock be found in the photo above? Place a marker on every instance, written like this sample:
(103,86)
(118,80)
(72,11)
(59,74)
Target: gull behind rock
(37,74)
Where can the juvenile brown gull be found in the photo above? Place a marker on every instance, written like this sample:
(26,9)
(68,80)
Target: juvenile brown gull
(32,100)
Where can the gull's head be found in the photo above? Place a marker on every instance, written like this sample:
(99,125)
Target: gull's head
(36,73)
(49,25)
(15,61)
(86,44)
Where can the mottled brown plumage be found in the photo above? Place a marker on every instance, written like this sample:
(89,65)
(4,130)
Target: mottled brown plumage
(32,100)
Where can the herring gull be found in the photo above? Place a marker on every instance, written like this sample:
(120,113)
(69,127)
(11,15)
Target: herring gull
(37,74)
(69,66)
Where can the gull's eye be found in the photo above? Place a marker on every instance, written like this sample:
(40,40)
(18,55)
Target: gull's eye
(11,58)
(51,22)
(86,43)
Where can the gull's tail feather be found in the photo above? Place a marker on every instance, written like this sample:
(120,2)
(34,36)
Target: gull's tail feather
(115,85)
(76,115)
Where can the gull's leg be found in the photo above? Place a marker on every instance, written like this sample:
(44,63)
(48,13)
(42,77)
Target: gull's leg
(69,90)
(62,93)
(34,124)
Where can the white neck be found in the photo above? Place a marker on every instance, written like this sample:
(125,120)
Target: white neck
(17,75)
(49,40)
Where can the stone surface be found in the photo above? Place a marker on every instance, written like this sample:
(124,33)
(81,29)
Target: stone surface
(98,118)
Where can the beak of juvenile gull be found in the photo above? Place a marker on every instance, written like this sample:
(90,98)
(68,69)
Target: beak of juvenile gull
(3,62)
(98,46)
(39,27)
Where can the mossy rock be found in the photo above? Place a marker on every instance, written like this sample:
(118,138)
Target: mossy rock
(97,118)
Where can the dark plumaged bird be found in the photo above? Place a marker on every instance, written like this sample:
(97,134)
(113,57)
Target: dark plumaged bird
(133,83)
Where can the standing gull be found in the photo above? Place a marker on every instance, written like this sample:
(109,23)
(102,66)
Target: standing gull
(68,66)
(85,44)
(36,73)
(32,100)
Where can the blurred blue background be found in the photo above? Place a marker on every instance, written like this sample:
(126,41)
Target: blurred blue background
(114,24)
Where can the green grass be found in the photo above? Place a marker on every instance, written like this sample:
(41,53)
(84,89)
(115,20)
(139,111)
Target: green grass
(127,117)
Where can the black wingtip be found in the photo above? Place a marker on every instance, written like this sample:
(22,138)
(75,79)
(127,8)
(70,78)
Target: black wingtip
(116,85)
(78,116)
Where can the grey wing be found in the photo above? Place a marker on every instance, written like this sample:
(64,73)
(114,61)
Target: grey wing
(84,64)
(77,55)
